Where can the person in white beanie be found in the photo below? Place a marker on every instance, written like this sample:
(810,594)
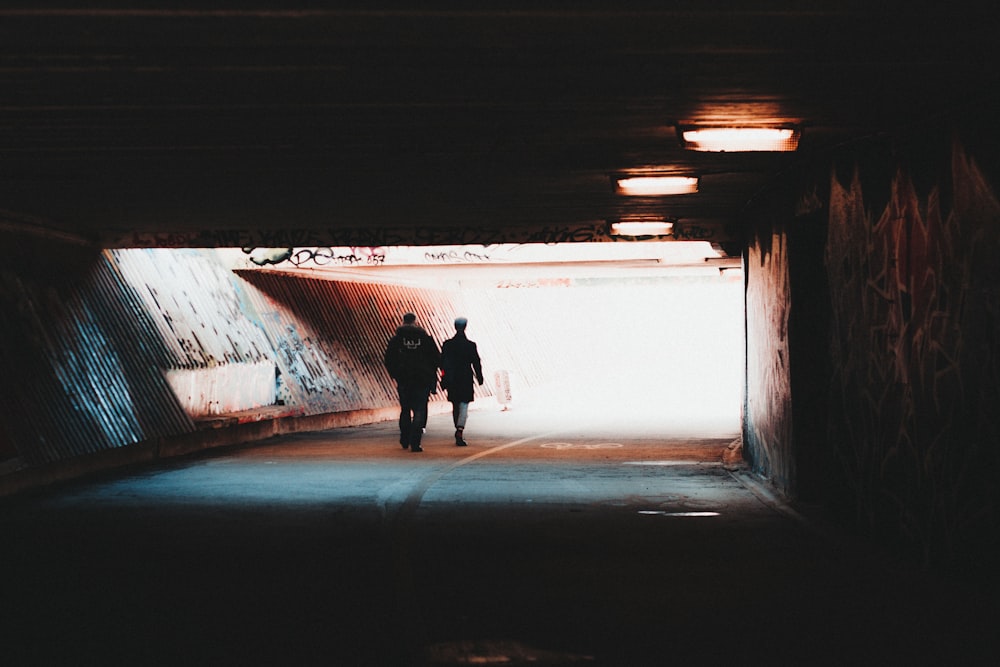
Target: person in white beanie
(460,364)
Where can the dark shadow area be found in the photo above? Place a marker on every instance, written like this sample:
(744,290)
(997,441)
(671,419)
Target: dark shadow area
(530,546)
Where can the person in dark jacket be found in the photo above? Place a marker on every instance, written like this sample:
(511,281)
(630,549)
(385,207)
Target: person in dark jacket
(459,363)
(412,358)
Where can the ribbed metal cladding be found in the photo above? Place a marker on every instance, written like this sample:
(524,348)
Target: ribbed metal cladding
(194,304)
(218,358)
(87,355)
(504,324)
(330,335)
(325,328)
(83,366)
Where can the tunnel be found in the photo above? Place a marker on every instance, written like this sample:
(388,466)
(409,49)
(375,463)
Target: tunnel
(761,427)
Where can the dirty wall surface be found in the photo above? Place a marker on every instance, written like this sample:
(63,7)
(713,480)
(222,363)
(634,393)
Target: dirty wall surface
(139,345)
(915,303)
(901,408)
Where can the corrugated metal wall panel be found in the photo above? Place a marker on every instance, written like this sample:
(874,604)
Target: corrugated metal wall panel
(194,304)
(311,371)
(224,388)
(505,327)
(196,307)
(329,336)
(81,365)
(87,357)
(155,405)
(351,321)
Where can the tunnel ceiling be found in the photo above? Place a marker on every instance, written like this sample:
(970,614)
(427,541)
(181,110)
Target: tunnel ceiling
(274,124)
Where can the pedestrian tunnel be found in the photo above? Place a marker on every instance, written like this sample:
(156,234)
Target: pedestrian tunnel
(203,346)
(647,335)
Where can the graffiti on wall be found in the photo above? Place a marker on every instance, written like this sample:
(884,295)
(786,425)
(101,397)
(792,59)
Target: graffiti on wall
(337,256)
(768,431)
(457,256)
(695,232)
(379,237)
(367,237)
(532,284)
(915,372)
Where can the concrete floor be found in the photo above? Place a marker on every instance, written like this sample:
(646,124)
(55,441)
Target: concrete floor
(552,539)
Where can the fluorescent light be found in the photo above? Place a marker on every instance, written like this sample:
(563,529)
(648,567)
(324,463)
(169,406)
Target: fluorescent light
(641,228)
(681,514)
(741,139)
(657,185)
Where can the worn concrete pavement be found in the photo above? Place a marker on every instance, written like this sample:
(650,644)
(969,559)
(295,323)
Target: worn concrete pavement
(559,536)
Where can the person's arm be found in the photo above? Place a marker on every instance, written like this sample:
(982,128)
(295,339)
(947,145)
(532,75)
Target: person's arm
(390,357)
(434,356)
(435,352)
(477,364)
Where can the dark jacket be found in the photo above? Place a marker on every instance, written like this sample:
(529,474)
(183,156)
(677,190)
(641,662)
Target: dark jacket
(459,361)
(412,356)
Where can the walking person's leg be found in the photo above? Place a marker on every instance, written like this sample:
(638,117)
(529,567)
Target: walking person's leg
(405,419)
(460,411)
(419,400)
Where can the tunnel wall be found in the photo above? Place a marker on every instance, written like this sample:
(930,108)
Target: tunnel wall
(93,351)
(916,372)
(767,429)
(82,362)
(894,423)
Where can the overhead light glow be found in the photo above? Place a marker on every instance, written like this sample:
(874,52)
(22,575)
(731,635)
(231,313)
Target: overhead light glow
(741,139)
(683,514)
(641,228)
(657,185)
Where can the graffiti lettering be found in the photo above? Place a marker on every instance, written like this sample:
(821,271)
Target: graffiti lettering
(586,233)
(265,256)
(687,232)
(367,237)
(331,257)
(541,282)
(161,240)
(447,256)
(225,239)
(375,237)
(287,238)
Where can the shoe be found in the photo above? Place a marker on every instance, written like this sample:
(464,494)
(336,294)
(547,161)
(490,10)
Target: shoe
(404,443)
(416,448)
(460,443)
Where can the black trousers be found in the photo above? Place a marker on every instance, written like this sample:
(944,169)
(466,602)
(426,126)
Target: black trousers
(412,411)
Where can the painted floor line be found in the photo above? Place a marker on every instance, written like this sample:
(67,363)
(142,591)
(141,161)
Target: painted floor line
(494,450)
(416,494)
(400,523)
(673,462)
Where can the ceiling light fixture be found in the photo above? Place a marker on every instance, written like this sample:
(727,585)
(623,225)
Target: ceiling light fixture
(740,139)
(656,185)
(641,227)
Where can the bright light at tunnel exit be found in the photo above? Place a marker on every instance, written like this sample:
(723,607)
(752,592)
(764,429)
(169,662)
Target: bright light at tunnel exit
(629,347)
(641,357)
(633,336)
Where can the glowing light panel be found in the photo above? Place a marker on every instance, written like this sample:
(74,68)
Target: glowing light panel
(641,228)
(658,185)
(741,139)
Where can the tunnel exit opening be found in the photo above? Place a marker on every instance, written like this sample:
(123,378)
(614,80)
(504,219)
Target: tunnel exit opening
(639,353)
(634,337)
